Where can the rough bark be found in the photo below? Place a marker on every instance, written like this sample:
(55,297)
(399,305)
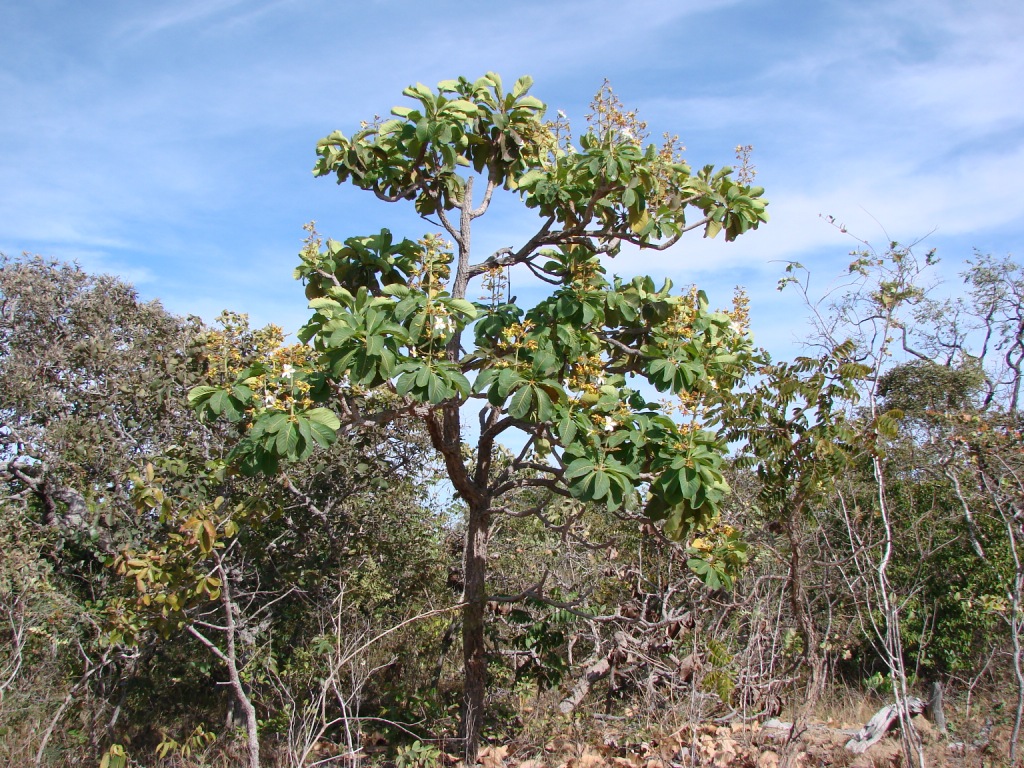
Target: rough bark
(935,709)
(473,652)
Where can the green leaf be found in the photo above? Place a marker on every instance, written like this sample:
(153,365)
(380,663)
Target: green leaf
(579,468)
(522,400)
(467,108)
(287,440)
(523,84)
(406,382)
(273,423)
(324,417)
(224,404)
(463,307)
(545,409)
(423,374)
(305,431)
(567,429)
(458,382)
(200,394)
(324,436)
(601,484)
(437,390)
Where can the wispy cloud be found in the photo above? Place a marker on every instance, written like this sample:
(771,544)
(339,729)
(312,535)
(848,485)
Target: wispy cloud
(149,20)
(172,142)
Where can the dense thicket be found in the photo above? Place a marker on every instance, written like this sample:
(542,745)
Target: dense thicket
(95,426)
(589,610)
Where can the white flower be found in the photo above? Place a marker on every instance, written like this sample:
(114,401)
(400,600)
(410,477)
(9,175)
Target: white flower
(287,369)
(270,401)
(561,114)
(609,424)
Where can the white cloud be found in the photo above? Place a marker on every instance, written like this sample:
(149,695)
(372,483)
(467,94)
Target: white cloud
(177,138)
(148,20)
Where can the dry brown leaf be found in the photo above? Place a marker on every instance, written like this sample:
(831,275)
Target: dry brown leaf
(768,759)
(493,757)
(629,761)
(725,754)
(590,759)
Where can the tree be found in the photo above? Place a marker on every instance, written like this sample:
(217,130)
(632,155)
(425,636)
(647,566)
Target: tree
(91,379)
(392,321)
(240,565)
(92,391)
(791,425)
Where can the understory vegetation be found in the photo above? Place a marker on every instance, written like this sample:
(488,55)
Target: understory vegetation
(438,528)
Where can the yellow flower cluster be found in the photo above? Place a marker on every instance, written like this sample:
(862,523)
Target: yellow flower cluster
(740,312)
(584,270)
(514,337)
(586,374)
(747,171)
(495,285)
(680,323)
(553,139)
(671,152)
(546,141)
(433,271)
(610,115)
(312,243)
(295,355)
(233,347)
(284,390)
(666,191)
(283,396)
(223,361)
(685,404)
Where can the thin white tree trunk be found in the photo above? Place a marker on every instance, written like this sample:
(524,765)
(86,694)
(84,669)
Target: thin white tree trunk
(230,659)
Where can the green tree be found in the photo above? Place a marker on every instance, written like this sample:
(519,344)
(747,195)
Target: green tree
(91,380)
(392,322)
(792,427)
(243,567)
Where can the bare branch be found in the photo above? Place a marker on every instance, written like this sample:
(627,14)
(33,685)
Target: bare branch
(485,203)
(503,257)
(447,224)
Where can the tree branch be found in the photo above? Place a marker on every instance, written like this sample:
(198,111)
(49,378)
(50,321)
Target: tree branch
(504,257)
(485,203)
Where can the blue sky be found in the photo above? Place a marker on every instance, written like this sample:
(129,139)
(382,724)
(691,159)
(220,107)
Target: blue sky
(172,142)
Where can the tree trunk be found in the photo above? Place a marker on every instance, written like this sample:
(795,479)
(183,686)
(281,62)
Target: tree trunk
(473,652)
(935,708)
(879,725)
(230,659)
